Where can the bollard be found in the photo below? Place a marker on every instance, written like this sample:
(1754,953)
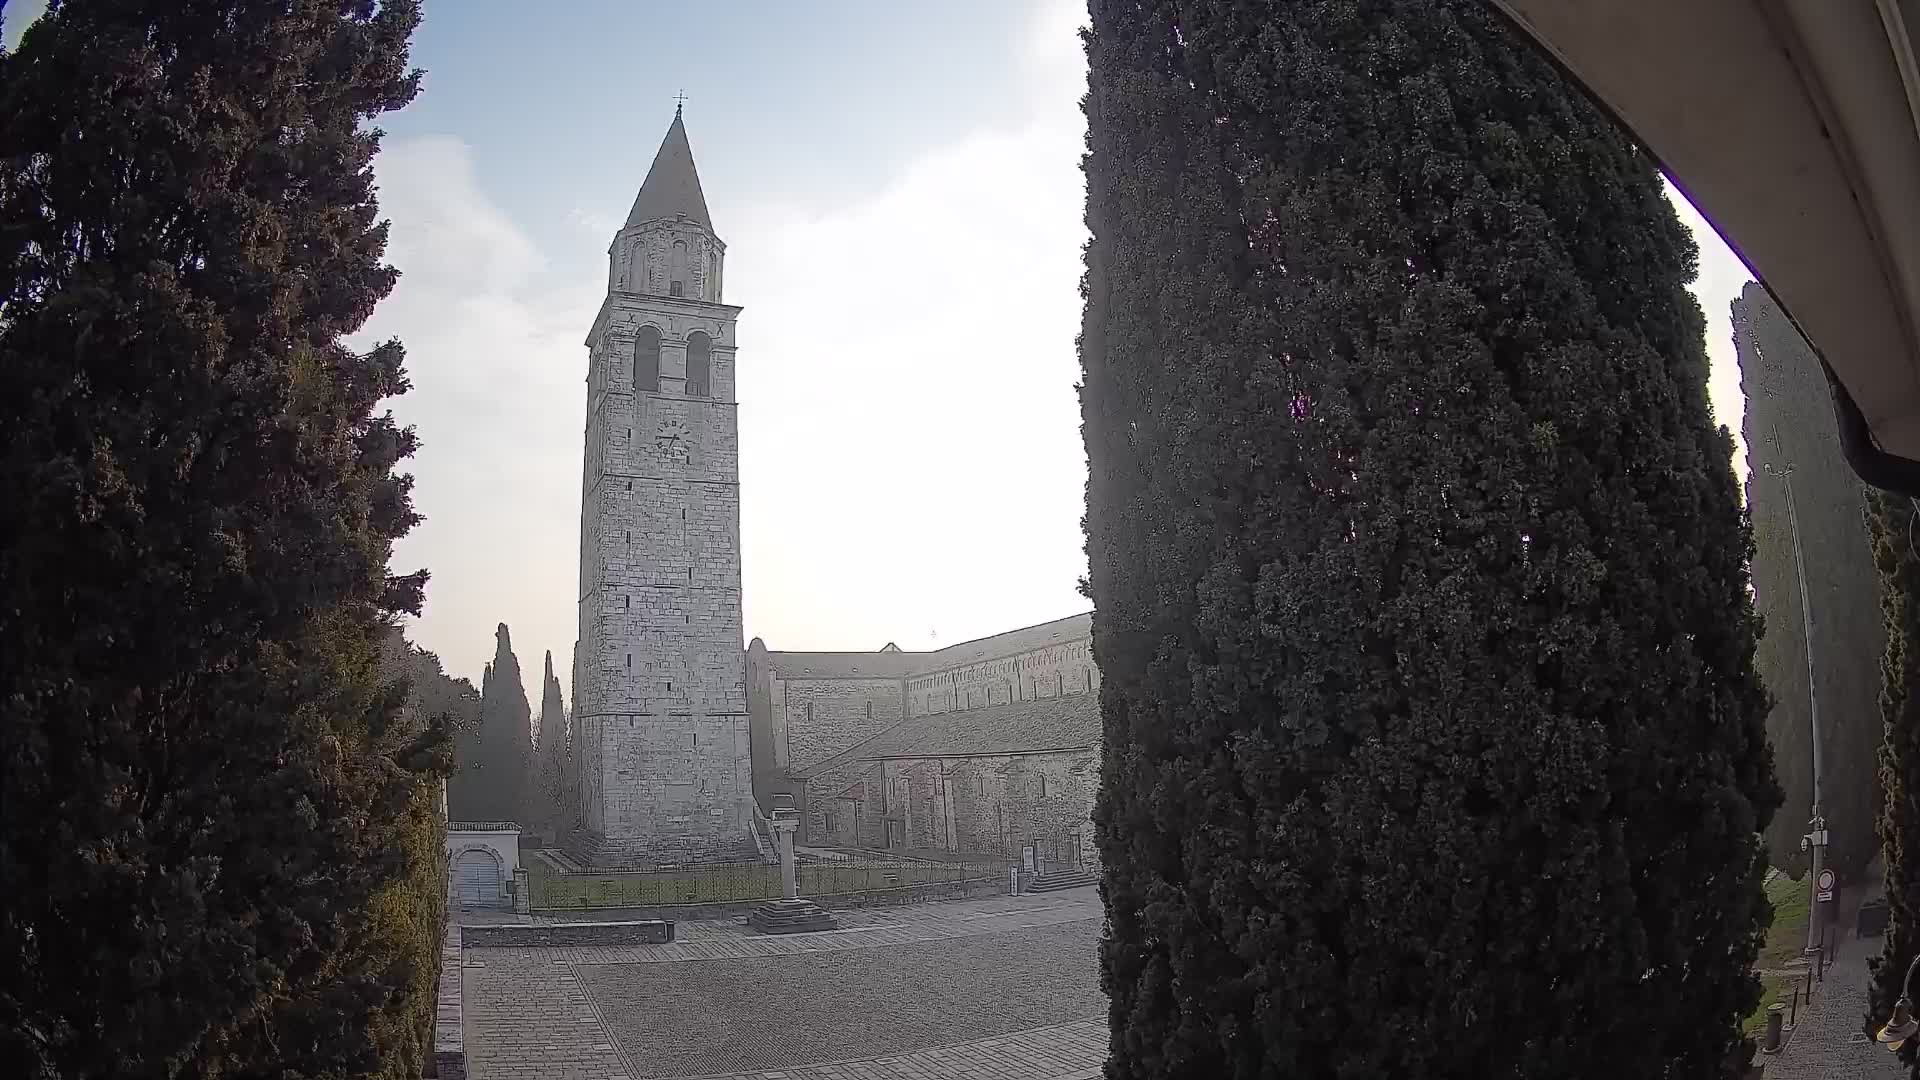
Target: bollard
(1776,1019)
(1794,1020)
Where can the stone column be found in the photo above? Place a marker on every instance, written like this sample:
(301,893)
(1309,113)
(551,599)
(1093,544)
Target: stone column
(789,914)
(785,824)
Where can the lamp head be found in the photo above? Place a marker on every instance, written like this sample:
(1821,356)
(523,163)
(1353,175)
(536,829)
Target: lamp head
(1900,1027)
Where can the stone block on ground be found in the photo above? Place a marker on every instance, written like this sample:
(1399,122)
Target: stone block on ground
(546,935)
(790,917)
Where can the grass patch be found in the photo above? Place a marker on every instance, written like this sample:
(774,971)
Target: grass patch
(1772,988)
(551,889)
(1786,938)
(1787,934)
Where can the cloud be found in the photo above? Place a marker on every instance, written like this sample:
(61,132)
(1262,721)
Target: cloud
(493,348)
(911,451)
(911,459)
(912,469)
(1722,276)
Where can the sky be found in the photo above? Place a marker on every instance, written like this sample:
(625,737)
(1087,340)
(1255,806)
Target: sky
(898,186)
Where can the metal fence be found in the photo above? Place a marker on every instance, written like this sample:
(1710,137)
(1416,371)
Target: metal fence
(836,878)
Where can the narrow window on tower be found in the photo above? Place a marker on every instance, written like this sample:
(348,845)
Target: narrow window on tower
(699,365)
(869,710)
(627,602)
(677,270)
(646,360)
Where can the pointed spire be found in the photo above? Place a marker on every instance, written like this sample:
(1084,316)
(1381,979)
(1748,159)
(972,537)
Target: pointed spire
(672,186)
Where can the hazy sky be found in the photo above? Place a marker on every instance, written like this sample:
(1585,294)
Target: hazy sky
(899,189)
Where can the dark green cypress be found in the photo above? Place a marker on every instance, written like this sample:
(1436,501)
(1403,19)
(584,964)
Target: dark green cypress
(1433,741)
(212,803)
(506,738)
(1789,426)
(1895,523)
(551,803)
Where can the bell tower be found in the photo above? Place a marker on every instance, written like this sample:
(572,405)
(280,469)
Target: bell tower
(659,666)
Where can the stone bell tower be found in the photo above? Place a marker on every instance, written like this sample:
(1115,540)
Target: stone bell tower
(659,667)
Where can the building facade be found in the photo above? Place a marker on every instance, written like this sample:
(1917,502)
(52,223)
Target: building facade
(660,698)
(987,747)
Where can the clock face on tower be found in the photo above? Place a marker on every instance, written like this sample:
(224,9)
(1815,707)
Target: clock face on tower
(672,436)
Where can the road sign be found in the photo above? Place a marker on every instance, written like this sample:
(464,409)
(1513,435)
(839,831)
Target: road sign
(1823,886)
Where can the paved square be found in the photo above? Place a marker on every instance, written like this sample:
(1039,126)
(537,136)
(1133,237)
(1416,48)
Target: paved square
(1006,989)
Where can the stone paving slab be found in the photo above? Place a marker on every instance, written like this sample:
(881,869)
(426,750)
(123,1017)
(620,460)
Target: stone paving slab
(1062,1052)
(534,1024)
(784,1012)
(1828,1043)
(1003,988)
(962,919)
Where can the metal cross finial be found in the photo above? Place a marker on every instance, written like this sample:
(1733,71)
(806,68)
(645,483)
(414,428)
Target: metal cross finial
(679,99)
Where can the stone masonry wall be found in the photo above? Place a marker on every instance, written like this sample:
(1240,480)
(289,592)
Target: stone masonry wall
(1027,676)
(660,675)
(814,719)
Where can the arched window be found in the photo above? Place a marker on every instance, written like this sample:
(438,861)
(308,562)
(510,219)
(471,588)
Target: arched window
(646,361)
(699,365)
(677,270)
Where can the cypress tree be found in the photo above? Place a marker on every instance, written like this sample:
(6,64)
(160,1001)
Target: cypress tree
(1789,426)
(212,805)
(506,737)
(547,787)
(1895,525)
(1433,742)
(467,798)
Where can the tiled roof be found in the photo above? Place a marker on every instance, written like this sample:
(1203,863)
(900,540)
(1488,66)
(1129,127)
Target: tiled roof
(1068,722)
(892,663)
(844,665)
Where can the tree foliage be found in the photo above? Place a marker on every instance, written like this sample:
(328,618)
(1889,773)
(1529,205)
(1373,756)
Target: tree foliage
(1433,742)
(494,779)
(550,786)
(1789,426)
(213,810)
(1895,525)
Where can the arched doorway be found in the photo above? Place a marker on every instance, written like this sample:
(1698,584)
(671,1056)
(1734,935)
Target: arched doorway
(476,879)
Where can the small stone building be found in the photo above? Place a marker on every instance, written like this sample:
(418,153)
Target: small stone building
(987,747)
(482,860)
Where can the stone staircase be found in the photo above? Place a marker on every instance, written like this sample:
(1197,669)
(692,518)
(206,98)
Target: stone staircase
(790,917)
(1054,880)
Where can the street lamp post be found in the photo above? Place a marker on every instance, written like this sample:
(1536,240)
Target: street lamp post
(1815,841)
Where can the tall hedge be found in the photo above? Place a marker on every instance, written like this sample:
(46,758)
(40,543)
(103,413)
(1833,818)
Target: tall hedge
(210,801)
(1433,740)
(500,775)
(1789,425)
(1895,522)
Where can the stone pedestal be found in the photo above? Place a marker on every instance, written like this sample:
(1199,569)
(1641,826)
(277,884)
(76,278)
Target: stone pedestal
(790,917)
(791,914)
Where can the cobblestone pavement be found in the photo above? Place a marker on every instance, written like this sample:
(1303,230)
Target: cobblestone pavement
(1828,1044)
(1064,1052)
(1003,988)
